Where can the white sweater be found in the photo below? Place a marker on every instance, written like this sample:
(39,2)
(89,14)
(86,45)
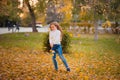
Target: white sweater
(54,37)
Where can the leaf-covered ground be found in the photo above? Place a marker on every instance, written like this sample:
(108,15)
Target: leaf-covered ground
(17,64)
(22,58)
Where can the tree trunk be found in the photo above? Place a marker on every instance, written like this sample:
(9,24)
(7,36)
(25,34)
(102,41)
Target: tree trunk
(95,26)
(96,31)
(32,16)
(116,27)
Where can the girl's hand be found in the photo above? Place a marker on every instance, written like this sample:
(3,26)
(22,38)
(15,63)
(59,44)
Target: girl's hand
(51,45)
(52,51)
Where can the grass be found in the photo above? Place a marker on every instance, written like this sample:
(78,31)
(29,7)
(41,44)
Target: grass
(105,43)
(22,58)
(33,40)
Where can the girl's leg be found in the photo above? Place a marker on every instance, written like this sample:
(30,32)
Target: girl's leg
(59,50)
(54,61)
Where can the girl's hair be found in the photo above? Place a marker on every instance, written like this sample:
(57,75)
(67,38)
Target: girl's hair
(57,25)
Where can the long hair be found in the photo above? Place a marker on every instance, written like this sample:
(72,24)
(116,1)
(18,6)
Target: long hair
(57,25)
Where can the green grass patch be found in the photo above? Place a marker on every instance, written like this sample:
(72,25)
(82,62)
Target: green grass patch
(85,43)
(105,44)
(32,40)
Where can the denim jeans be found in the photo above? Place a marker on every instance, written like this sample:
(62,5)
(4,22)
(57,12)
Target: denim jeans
(58,49)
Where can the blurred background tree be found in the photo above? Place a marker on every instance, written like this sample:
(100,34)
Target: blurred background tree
(9,10)
(32,14)
(67,12)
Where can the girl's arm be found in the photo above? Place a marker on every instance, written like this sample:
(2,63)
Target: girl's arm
(51,45)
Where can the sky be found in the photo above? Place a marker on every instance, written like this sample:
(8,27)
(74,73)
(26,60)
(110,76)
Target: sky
(33,2)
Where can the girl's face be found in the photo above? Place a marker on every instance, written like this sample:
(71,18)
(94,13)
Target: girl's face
(53,27)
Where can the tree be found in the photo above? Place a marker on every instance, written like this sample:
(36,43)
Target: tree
(9,10)
(76,10)
(114,15)
(115,10)
(108,10)
(100,10)
(65,9)
(51,13)
(85,11)
(32,14)
(59,10)
(95,13)
(41,8)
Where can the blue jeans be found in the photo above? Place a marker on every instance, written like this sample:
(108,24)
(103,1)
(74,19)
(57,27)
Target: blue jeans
(58,49)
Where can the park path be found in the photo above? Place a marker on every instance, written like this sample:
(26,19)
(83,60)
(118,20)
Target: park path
(22,29)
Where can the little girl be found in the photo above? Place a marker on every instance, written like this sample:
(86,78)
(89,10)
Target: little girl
(55,37)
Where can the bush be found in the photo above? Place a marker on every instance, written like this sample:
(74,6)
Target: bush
(46,45)
(66,40)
